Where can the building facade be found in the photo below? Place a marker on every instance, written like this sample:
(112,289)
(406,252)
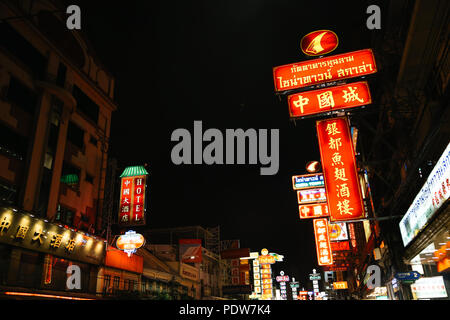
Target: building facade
(56,103)
(402,143)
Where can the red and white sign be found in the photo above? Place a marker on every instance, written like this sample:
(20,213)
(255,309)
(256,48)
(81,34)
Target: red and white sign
(323,248)
(316,210)
(333,98)
(311,195)
(319,42)
(132,201)
(333,68)
(339,170)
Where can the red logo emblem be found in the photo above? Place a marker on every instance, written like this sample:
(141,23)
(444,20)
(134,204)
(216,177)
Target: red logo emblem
(319,42)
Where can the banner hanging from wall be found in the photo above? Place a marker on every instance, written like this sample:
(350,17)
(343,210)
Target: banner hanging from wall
(339,169)
(132,204)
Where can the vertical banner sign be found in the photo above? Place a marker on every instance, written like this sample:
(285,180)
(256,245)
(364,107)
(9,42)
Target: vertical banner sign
(323,248)
(132,197)
(339,169)
(125,201)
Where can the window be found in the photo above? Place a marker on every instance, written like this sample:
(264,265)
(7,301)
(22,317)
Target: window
(116,282)
(12,144)
(75,135)
(22,49)
(106,283)
(61,75)
(84,104)
(89,178)
(21,95)
(93,140)
(65,215)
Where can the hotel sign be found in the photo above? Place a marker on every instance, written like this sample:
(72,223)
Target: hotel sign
(332,68)
(22,230)
(330,99)
(433,194)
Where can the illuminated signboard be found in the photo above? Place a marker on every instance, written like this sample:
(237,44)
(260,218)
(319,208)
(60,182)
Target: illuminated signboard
(316,210)
(339,170)
(319,42)
(130,242)
(340,246)
(430,198)
(19,229)
(132,196)
(266,259)
(429,287)
(311,195)
(338,231)
(307,181)
(339,285)
(442,257)
(333,68)
(323,248)
(325,100)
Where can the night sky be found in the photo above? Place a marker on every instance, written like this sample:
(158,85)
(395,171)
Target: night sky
(176,62)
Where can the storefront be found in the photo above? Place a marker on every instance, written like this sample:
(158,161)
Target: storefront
(425,231)
(41,257)
(121,275)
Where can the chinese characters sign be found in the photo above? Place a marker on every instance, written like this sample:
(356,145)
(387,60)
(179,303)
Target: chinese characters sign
(24,231)
(324,100)
(339,170)
(319,42)
(340,246)
(307,181)
(311,195)
(315,210)
(333,68)
(323,248)
(132,201)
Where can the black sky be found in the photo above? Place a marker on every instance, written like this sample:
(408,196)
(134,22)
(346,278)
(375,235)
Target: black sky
(176,62)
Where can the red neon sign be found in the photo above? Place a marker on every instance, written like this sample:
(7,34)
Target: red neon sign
(340,246)
(132,201)
(324,100)
(339,170)
(319,42)
(323,248)
(316,210)
(338,67)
